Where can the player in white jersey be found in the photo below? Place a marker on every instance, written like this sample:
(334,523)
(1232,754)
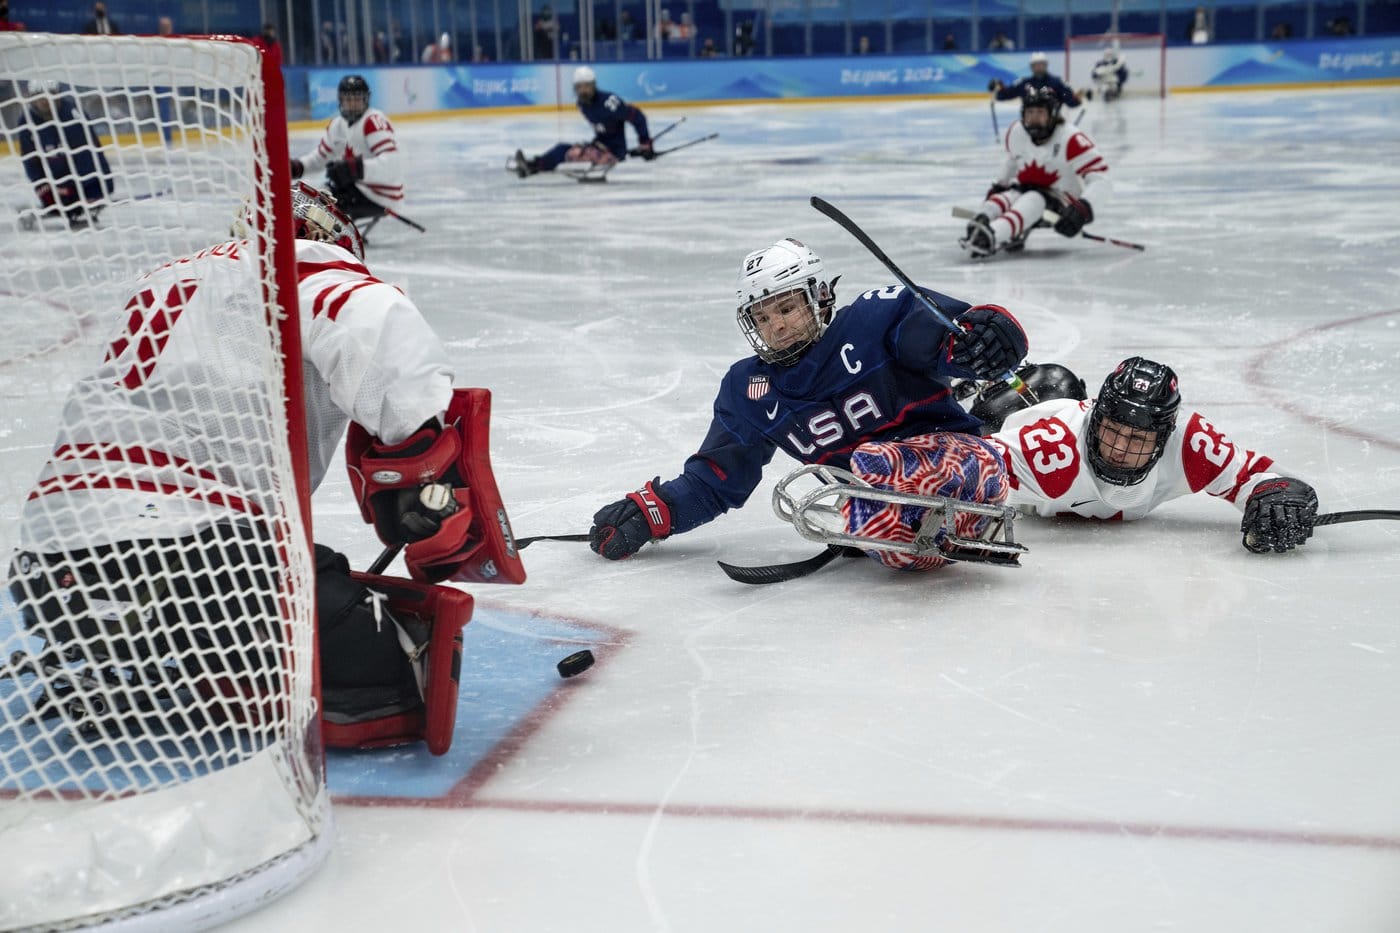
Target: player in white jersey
(1119,456)
(1049,165)
(1110,74)
(360,155)
(160,462)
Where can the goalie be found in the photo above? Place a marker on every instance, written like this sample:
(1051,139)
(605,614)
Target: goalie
(862,391)
(1049,165)
(150,542)
(360,155)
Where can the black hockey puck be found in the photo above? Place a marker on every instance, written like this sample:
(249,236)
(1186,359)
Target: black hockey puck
(576,663)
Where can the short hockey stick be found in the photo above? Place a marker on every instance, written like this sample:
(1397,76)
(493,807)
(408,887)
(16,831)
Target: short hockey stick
(694,142)
(661,133)
(781,573)
(1360,515)
(386,556)
(402,219)
(1048,220)
(996,130)
(854,230)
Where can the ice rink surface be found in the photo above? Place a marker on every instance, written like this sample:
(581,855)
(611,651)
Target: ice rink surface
(1143,728)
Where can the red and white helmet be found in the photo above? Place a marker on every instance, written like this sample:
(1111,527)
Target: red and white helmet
(318,218)
(788,265)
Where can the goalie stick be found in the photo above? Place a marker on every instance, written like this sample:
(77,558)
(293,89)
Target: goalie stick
(1048,220)
(386,556)
(850,226)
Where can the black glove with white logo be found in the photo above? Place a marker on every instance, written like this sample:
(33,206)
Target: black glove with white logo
(620,529)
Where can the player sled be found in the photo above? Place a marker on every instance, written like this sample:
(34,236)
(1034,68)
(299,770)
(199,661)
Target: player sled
(1047,220)
(817,517)
(582,172)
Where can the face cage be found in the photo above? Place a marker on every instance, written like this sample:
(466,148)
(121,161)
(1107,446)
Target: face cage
(1039,134)
(314,221)
(789,355)
(351,115)
(1116,475)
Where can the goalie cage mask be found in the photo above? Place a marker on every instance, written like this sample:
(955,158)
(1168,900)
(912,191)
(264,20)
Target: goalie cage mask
(1139,394)
(319,218)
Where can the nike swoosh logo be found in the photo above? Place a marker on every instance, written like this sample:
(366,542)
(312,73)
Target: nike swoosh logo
(1075,505)
(773,412)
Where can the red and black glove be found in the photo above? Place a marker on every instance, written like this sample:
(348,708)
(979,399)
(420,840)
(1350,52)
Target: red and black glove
(297,168)
(344,173)
(990,344)
(620,529)
(1074,214)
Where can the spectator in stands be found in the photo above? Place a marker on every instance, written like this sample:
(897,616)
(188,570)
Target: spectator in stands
(950,44)
(1000,43)
(708,49)
(626,26)
(1341,26)
(165,26)
(1199,32)
(479,54)
(101,24)
(665,28)
(267,39)
(605,31)
(1281,31)
(743,38)
(7,24)
(439,52)
(328,55)
(863,46)
(546,28)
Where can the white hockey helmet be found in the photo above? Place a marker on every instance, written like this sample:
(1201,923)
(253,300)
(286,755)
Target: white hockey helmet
(778,270)
(1039,58)
(584,75)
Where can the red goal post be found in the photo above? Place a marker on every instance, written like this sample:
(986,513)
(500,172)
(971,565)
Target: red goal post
(159,768)
(1144,52)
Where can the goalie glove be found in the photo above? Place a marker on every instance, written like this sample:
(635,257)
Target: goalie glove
(1278,515)
(621,528)
(398,486)
(990,343)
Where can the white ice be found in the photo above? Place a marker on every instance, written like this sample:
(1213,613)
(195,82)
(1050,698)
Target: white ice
(1144,728)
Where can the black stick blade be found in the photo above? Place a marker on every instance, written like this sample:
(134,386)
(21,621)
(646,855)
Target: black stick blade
(781,573)
(1360,515)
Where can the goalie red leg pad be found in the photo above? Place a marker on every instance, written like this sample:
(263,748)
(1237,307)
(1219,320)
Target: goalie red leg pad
(955,466)
(444,612)
(495,559)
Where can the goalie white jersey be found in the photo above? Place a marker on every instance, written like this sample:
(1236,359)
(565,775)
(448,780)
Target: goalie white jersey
(169,434)
(372,139)
(1066,162)
(1044,449)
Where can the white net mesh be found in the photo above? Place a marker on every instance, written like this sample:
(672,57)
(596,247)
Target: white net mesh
(159,748)
(1142,52)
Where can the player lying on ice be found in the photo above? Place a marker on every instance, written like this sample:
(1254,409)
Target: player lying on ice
(360,155)
(609,115)
(1049,164)
(1121,455)
(145,487)
(861,392)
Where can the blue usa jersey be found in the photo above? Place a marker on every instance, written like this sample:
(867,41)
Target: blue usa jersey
(880,372)
(609,113)
(1062,91)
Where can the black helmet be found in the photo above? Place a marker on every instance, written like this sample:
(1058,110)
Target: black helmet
(997,401)
(353,94)
(1138,394)
(1040,97)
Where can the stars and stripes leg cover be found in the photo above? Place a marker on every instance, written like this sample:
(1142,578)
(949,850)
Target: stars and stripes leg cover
(956,466)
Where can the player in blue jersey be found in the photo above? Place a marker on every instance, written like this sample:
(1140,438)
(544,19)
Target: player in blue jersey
(1040,76)
(864,388)
(609,115)
(63,157)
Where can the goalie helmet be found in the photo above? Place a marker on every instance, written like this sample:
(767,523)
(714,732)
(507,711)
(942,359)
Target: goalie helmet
(353,95)
(767,279)
(1042,98)
(318,218)
(1141,396)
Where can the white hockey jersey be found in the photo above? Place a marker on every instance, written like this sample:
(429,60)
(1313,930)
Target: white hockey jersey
(1045,451)
(172,432)
(372,139)
(1068,161)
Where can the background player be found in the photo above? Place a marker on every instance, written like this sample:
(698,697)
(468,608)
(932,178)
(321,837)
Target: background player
(609,115)
(170,504)
(1039,78)
(1110,73)
(864,388)
(63,157)
(1120,456)
(1049,164)
(360,155)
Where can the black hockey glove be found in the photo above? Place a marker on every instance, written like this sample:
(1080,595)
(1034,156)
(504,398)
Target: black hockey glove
(620,529)
(991,342)
(645,151)
(995,84)
(344,174)
(1074,214)
(1279,515)
(297,168)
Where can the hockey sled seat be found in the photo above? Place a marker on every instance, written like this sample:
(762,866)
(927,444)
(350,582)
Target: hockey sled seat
(430,619)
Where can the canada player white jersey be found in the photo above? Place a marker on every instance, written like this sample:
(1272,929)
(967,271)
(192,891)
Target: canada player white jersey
(1045,451)
(372,139)
(1068,161)
(175,394)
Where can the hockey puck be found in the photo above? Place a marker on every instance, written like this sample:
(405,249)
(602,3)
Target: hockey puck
(576,663)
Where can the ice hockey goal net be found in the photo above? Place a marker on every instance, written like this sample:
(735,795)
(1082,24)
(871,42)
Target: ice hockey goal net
(160,756)
(1144,52)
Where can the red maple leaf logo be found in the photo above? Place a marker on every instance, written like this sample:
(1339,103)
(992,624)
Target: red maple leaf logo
(1035,174)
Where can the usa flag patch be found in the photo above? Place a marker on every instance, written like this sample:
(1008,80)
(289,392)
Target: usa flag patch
(758,387)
